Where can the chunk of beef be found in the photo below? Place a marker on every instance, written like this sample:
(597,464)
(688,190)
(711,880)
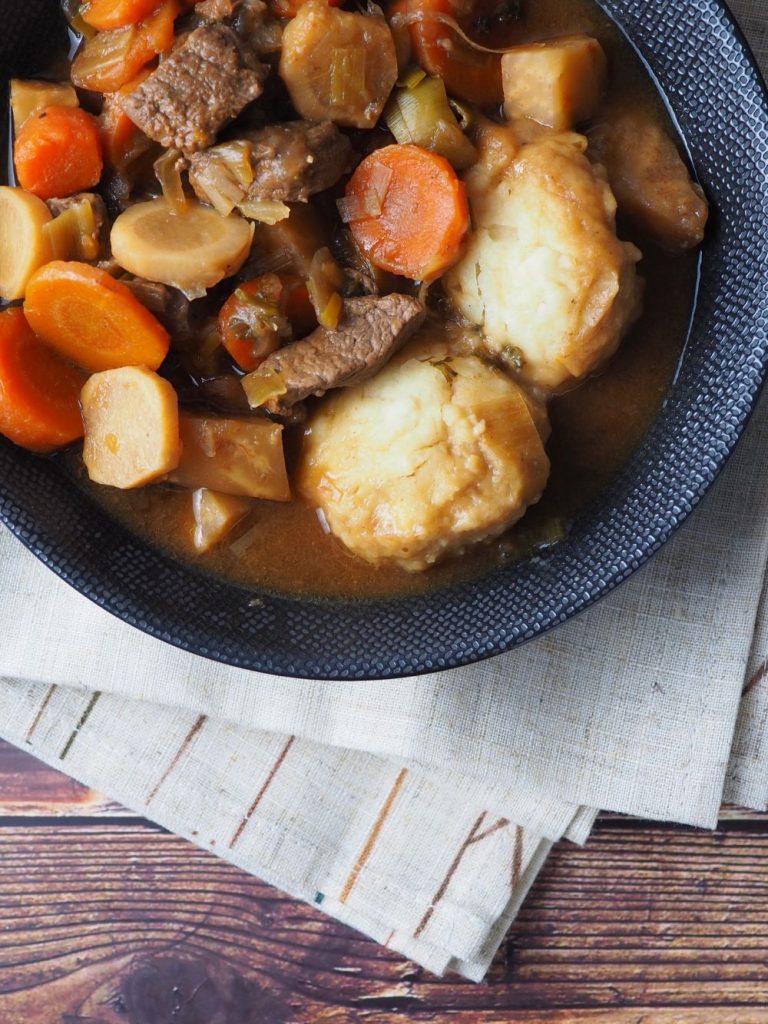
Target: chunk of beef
(371,331)
(652,184)
(250,19)
(203,84)
(290,162)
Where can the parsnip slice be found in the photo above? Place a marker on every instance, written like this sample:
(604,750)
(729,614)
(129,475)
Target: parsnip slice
(215,515)
(29,97)
(131,427)
(23,246)
(192,251)
(234,456)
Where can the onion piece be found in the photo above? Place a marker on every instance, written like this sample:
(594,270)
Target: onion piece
(236,156)
(103,55)
(266,211)
(412,77)
(72,235)
(380,179)
(263,385)
(352,208)
(326,279)
(225,178)
(168,170)
(423,116)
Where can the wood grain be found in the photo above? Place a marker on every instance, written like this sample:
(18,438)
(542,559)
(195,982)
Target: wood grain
(108,919)
(28,788)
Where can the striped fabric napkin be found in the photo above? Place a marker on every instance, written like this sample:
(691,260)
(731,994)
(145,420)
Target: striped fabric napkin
(420,810)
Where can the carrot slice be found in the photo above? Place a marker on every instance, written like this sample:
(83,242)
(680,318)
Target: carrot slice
(469,74)
(92,319)
(424,213)
(39,391)
(108,14)
(255,314)
(58,153)
(121,140)
(111,59)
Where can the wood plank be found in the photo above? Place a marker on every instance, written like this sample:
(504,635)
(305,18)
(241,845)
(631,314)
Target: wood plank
(30,788)
(109,922)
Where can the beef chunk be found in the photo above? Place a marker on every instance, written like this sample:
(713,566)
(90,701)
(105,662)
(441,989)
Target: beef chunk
(652,185)
(290,161)
(371,331)
(203,84)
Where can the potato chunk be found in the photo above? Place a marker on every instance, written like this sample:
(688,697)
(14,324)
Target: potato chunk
(233,456)
(653,187)
(338,65)
(30,97)
(23,245)
(191,251)
(544,275)
(131,421)
(215,515)
(558,83)
(434,454)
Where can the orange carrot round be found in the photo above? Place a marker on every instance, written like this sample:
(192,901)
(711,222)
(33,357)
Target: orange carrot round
(469,74)
(92,319)
(249,320)
(121,140)
(58,153)
(424,213)
(39,391)
(109,14)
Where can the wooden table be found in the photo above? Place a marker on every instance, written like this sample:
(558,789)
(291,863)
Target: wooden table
(107,919)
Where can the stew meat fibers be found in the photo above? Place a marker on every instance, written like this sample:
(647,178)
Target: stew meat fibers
(328,297)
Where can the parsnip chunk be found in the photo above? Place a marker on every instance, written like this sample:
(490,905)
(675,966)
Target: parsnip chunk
(23,246)
(29,97)
(192,251)
(215,515)
(435,453)
(544,276)
(558,83)
(233,456)
(131,427)
(338,65)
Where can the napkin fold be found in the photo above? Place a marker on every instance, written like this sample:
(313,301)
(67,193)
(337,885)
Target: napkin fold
(420,810)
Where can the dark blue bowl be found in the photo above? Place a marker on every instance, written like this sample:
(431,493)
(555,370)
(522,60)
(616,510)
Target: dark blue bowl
(715,91)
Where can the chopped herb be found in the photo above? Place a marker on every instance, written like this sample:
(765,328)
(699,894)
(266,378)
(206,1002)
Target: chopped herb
(512,355)
(444,366)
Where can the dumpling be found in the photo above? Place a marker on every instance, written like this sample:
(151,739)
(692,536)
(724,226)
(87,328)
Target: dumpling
(435,453)
(545,276)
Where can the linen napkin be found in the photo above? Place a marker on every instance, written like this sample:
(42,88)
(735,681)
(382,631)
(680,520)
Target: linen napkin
(420,810)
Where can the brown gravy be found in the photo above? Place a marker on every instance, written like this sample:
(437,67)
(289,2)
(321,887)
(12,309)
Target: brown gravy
(595,427)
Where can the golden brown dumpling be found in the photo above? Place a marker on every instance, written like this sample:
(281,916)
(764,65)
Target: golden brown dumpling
(544,275)
(435,453)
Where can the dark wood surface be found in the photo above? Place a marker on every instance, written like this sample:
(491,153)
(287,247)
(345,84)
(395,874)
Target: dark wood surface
(107,919)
